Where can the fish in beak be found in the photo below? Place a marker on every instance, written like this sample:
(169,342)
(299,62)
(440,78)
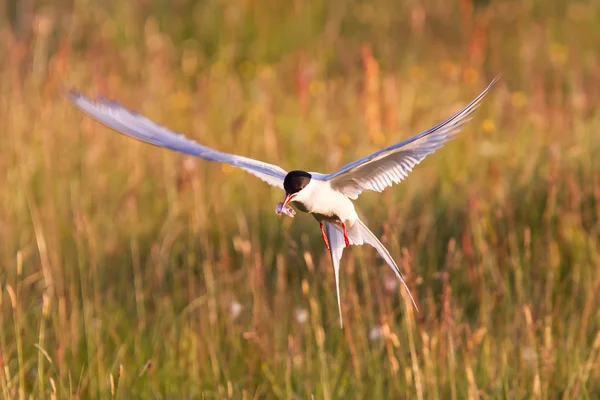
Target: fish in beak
(284,208)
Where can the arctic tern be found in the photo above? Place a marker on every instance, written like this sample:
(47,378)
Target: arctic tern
(327,197)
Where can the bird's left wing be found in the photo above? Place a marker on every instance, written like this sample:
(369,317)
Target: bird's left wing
(132,124)
(392,164)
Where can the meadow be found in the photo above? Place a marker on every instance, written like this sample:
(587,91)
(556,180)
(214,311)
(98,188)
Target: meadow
(129,271)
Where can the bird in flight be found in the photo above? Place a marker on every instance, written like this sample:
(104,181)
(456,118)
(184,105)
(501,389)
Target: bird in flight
(327,197)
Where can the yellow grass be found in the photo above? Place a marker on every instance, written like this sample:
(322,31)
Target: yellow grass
(129,271)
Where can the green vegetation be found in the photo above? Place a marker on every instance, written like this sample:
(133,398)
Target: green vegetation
(129,271)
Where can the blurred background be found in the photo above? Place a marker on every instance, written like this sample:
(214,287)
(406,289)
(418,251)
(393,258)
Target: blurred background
(129,271)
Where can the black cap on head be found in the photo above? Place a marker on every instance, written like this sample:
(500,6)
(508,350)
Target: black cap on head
(295,181)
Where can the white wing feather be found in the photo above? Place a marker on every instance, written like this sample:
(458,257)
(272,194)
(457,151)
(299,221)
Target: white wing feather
(139,127)
(392,164)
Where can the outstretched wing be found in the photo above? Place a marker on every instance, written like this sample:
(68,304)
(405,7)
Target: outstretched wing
(392,164)
(139,127)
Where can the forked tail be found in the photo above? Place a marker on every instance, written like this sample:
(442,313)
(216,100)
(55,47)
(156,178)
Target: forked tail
(358,234)
(369,238)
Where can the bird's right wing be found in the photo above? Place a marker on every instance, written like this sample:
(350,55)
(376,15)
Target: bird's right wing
(139,127)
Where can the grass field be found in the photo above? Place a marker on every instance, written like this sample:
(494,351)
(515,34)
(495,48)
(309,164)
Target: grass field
(128,271)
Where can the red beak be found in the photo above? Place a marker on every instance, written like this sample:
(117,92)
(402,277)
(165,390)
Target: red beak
(288,198)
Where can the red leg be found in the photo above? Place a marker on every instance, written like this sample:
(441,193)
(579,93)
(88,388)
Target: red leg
(324,236)
(346,235)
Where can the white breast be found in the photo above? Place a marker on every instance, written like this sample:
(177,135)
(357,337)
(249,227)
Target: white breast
(319,198)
